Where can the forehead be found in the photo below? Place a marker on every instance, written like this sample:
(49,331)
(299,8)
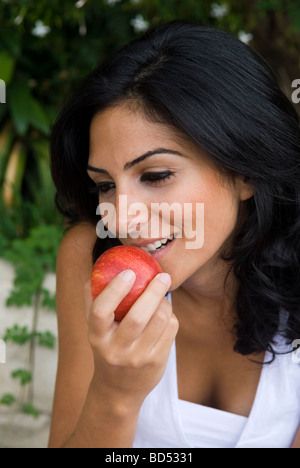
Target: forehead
(122,133)
(122,128)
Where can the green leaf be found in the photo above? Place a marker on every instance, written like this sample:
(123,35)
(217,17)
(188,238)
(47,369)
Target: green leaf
(49,300)
(46,339)
(28,408)
(18,100)
(8,399)
(32,258)
(25,109)
(38,117)
(18,335)
(24,375)
(7,66)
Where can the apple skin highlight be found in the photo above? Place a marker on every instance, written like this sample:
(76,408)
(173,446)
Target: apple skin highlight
(120,258)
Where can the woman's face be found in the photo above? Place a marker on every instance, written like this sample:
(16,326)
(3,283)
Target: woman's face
(178,191)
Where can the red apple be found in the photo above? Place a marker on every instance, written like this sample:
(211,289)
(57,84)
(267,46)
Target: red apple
(120,258)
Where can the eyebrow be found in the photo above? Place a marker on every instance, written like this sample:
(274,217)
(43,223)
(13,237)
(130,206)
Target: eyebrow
(141,158)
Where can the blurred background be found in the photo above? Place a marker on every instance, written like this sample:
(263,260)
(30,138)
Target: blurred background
(46,48)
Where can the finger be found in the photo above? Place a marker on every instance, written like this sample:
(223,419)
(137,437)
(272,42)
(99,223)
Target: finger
(163,344)
(156,326)
(144,307)
(102,312)
(155,347)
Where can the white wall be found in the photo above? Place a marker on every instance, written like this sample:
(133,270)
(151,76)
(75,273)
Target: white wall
(22,430)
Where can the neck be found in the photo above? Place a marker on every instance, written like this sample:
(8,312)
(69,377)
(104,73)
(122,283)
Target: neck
(203,304)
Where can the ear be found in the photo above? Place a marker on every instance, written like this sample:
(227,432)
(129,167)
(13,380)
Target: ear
(245,188)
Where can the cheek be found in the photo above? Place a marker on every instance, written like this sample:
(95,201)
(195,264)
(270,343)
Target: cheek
(214,210)
(221,211)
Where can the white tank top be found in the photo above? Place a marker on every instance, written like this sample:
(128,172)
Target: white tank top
(165,421)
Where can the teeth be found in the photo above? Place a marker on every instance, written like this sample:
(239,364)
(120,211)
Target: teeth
(157,244)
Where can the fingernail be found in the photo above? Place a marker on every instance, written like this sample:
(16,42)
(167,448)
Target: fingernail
(164,278)
(127,275)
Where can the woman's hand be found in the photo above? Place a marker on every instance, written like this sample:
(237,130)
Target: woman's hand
(131,356)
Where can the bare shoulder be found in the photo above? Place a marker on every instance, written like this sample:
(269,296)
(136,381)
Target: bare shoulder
(73,268)
(77,244)
(75,359)
(74,265)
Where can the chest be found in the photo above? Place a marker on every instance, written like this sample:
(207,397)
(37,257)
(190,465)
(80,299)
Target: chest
(273,421)
(209,371)
(216,378)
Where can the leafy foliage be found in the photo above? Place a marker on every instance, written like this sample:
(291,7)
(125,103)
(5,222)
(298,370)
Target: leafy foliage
(29,408)
(22,335)
(18,335)
(23,375)
(32,257)
(7,399)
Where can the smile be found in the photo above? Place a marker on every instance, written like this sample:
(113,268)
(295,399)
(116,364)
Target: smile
(158,245)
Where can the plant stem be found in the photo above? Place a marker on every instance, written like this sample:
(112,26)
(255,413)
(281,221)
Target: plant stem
(36,309)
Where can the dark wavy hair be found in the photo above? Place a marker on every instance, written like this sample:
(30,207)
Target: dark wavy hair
(220,93)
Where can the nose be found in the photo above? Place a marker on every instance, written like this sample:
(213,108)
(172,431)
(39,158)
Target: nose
(132,217)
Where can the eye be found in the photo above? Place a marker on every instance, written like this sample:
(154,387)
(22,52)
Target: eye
(156,178)
(104,187)
(101,187)
(151,178)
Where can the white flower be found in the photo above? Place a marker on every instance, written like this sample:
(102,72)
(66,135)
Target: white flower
(18,19)
(40,30)
(111,2)
(80,3)
(219,11)
(245,37)
(139,24)
(82,29)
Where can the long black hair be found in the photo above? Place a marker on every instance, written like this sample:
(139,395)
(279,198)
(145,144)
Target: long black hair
(222,95)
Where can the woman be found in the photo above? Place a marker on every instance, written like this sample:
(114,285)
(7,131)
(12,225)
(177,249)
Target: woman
(187,115)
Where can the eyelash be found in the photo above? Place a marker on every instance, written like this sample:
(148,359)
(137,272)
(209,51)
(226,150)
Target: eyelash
(152,178)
